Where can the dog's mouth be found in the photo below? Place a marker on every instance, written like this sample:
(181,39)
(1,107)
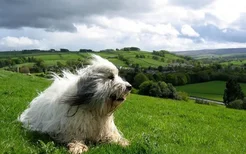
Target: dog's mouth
(118,99)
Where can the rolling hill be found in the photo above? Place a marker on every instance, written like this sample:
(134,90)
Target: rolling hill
(117,57)
(213,90)
(214,53)
(153,125)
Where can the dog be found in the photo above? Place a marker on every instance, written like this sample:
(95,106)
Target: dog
(78,108)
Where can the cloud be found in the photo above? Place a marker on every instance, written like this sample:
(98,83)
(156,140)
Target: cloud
(61,15)
(16,43)
(189,31)
(240,23)
(99,24)
(194,4)
(213,33)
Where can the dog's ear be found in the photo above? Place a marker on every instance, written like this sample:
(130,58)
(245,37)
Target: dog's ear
(80,99)
(85,90)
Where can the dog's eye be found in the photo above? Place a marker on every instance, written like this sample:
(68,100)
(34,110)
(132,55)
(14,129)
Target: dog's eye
(111,77)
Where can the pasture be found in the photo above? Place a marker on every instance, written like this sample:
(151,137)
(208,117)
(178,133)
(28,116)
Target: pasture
(213,90)
(51,58)
(153,125)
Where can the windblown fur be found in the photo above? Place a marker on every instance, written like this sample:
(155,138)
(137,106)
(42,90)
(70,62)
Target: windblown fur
(79,107)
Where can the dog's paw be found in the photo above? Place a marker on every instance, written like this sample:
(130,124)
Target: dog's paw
(124,142)
(77,147)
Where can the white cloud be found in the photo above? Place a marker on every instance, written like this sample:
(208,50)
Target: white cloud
(189,31)
(150,25)
(18,42)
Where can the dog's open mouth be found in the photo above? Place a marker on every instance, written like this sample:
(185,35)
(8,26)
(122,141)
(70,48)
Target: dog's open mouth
(119,99)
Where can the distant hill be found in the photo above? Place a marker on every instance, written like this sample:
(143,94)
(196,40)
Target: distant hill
(214,53)
(119,58)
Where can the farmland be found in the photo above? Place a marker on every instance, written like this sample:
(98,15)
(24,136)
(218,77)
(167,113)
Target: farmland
(213,90)
(51,58)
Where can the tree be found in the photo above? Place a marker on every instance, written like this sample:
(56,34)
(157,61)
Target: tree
(138,79)
(64,50)
(232,92)
(144,88)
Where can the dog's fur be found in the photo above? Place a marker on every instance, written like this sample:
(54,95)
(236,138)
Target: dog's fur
(78,108)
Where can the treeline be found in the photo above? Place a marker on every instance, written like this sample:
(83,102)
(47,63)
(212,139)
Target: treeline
(39,65)
(30,51)
(14,61)
(146,86)
(185,75)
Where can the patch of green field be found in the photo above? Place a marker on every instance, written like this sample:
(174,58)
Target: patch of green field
(234,62)
(51,58)
(152,125)
(211,90)
(25,64)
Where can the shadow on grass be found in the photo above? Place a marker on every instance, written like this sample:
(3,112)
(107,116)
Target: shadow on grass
(43,142)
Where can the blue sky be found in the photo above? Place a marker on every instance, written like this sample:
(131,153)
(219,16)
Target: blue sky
(174,25)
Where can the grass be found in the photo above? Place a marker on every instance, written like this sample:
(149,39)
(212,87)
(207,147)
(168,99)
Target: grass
(211,90)
(50,58)
(153,125)
(235,62)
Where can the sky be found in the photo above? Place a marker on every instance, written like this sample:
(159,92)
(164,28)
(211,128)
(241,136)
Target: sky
(174,25)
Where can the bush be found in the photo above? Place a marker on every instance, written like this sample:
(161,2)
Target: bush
(236,104)
(182,96)
(139,79)
(159,89)
(134,91)
(244,103)
(144,88)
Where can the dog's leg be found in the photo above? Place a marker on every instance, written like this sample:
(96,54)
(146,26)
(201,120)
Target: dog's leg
(123,142)
(76,147)
(118,139)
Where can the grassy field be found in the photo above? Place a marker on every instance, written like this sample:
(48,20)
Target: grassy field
(153,125)
(235,62)
(212,90)
(51,58)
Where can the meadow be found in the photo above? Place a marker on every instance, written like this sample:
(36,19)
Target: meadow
(153,125)
(51,58)
(213,90)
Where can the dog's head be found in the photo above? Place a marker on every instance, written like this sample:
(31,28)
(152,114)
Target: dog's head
(100,86)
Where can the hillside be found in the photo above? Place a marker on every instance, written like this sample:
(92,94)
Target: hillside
(119,58)
(213,90)
(153,125)
(214,53)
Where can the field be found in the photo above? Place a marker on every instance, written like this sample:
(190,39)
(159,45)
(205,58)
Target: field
(153,125)
(51,58)
(235,62)
(213,90)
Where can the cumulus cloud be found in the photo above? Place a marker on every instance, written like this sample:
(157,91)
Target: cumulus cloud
(194,4)
(15,42)
(54,15)
(213,33)
(189,31)
(98,24)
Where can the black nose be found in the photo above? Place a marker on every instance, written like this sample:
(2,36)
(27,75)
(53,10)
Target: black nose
(129,87)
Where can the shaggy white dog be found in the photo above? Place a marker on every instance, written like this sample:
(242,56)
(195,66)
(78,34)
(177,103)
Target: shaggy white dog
(78,108)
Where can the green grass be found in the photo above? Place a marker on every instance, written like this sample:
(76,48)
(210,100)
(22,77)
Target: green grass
(50,58)
(235,62)
(152,125)
(211,90)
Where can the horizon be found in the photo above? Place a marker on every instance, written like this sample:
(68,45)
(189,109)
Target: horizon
(120,49)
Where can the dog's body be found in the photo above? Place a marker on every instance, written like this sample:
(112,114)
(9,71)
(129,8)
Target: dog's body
(79,107)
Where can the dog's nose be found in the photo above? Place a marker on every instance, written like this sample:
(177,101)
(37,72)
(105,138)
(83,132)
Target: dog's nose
(129,87)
